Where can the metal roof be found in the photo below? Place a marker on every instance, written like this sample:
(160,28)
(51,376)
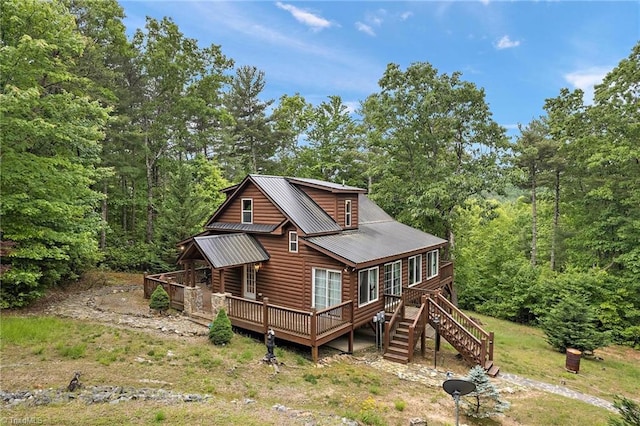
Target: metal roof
(231,249)
(241,227)
(296,205)
(333,187)
(369,212)
(376,241)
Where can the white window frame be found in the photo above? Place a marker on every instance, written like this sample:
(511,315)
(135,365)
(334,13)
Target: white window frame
(293,242)
(243,210)
(416,268)
(314,303)
(433,264)
(347,213)
(372,287)
(395,267)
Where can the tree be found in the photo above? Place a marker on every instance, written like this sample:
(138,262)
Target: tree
(485,401)
(221,331)
(159,300)
(436,145)
(292,118)
(51,132)
(334,148)
(251,140)
(629,411)
(571,324)
(532,152)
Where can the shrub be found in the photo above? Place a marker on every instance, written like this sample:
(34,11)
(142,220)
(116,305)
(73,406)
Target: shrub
(220,332)
(572,324)
(485,401)
(629,412)
(159,299)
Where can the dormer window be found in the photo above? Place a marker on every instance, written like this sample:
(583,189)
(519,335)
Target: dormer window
(347,213)
(293,241)
(247,210)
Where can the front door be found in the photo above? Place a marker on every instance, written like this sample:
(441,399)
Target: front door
(249,281)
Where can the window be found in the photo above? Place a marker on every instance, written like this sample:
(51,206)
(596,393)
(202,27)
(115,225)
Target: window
(432,264)
(415,270)
(393,278)
(367,286)
(347,213)
(327,288)
(247,210)
(293,241)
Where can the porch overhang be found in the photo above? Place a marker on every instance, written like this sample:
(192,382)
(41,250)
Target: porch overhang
(223,251)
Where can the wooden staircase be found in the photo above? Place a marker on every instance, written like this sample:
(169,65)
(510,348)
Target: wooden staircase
(405,326)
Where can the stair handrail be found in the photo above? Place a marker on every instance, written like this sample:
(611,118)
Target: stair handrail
(419,324)
(462,318)
(478,350)
(391,325)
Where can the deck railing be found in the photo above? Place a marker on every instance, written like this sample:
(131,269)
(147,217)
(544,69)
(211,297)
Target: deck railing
(310,328)
(171,282)
(417,329)
(391,325)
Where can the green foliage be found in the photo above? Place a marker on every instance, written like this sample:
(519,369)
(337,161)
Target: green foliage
(221,331)
(629,411)
(51,130)
(138,257)
(311,378)
(485,401)
(159,299)
(571,324)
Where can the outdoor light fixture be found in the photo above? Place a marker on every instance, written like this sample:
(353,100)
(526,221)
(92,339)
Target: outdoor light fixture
(457,388)
(257,266)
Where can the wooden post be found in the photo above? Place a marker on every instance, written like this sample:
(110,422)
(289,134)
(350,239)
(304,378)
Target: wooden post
(221,272)
(265,316)
(483,351)
(411,342)
(351,334)
(313,328)
(491,340)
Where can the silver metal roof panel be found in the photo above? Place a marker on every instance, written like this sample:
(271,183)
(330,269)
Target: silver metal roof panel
(231,249)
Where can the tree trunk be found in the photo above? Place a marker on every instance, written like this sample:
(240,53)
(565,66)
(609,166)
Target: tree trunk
(103,229)
(534,221)
(149,170)
(556,220)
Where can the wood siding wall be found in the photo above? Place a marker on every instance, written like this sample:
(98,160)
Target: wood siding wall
(264,212)
(333,204)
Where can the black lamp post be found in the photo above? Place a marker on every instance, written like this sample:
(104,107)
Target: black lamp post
(436,346)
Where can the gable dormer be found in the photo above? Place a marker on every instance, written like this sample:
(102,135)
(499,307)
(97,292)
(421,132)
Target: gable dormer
(339,201)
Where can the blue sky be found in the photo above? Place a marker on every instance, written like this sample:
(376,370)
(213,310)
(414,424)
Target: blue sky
(519,52)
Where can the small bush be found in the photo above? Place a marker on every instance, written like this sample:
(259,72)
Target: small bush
(221,331)
(629,412)
(400,405)
(159,299)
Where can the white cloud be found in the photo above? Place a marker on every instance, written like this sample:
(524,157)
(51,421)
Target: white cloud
(405,15)
(365,28)
(485,2)
(586,80)
(316,22)
(506,43)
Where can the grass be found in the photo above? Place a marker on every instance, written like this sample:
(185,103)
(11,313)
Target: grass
(44,352)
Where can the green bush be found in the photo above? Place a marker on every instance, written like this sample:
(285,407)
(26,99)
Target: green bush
(220,332)
(159,299)
(629,412)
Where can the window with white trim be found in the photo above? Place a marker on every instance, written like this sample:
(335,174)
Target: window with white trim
(347,213)
(367,286)
(432,264)
(415,270)
(393,278)
(247,210)
(327,288)
(293,241)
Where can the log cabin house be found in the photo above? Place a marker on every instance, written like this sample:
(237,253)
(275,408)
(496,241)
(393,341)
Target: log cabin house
(314,261)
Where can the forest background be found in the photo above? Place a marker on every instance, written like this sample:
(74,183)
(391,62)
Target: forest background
(114,149)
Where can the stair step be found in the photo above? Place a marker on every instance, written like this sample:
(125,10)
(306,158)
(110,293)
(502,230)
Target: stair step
(396,358)
(493,371)
(399,343)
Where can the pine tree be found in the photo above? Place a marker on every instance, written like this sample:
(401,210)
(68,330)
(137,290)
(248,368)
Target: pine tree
(159,299)
(485,400)
(629,410)
(221,332)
